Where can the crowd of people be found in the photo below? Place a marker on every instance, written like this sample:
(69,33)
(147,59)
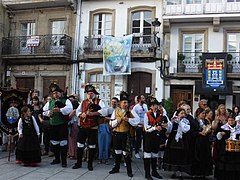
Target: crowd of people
(201,143)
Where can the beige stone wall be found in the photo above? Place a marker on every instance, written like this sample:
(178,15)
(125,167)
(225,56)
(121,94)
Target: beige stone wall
(42,18)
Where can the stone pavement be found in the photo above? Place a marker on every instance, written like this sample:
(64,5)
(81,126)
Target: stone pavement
(10,170)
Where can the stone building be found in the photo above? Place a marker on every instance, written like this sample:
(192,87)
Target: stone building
(38,48)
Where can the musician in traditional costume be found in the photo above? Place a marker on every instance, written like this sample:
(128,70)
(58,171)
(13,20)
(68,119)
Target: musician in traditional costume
(87,111)
(154,130)
(122,120)
(227,164)
(176,155)
(58,109)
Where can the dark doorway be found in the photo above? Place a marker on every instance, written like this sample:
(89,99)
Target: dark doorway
(25,83)
(139,83)
(61,81)
(179,93)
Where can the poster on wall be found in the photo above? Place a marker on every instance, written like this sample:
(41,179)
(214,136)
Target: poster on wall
(214,76)
(117,55)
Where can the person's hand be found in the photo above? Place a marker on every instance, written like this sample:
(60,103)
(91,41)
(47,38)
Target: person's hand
(202,133)
(20,135)
(164,125)
(83,115)
(223,133)
(56,110)
(159,128)
(125,119)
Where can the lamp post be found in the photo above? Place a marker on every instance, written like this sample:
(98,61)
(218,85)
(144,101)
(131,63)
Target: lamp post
(156,24)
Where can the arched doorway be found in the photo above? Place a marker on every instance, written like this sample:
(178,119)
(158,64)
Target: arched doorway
(139,83)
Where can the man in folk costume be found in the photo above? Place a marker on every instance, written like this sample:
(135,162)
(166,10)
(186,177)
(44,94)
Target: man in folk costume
(88,113)
(154,129)
(58,110)
(122,120)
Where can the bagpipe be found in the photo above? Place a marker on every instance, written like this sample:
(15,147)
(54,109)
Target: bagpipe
(59,104)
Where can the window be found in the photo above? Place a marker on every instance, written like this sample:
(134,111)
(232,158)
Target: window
(102,25)
(194,1)
(103,86)
(233,0)
(58,27)
(233,45)
(27,29)
(193,45)
(174,2)
(58,31)
(214,1)
(141,27)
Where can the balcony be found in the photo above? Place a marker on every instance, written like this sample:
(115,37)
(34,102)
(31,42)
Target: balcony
(201,8)
(142,48)
(191,62)
(37,49)
(29,4)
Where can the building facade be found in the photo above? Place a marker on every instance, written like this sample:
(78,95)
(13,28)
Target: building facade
(192,27)
(117,19)
(38,48)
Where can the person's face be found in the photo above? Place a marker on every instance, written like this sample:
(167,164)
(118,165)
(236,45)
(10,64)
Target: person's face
(114,103)
(90,95)
(142,99)
(203,105)
(222,109)
(202,115)
(231,121)
(35,102)
(28,113)
(56,95)
(49,99)
(236,109)
(124,104)
(154,107)
(209,115)
(188,110)
(181,114)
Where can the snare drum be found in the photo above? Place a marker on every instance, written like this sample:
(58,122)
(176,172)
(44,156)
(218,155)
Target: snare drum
(232,145)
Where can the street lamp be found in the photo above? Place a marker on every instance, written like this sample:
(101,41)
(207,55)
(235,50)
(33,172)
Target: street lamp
(156,24)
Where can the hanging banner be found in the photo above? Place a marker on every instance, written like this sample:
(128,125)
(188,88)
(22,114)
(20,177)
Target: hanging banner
(117,55)
(11,104)
(214,76)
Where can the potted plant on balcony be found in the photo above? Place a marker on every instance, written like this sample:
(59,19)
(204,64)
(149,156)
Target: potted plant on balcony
(181,66)
(229,63)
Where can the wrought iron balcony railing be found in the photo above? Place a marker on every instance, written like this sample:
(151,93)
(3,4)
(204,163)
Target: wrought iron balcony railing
(191,62)
(140,44)
(50,44)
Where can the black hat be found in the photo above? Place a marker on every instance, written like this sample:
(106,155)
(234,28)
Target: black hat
(90,88)
(54,87)
(124,96)
(152,100)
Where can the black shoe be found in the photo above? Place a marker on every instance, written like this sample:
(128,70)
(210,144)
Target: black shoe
(90,168)
(55,162)
(76,166)
(64,165)
(130,174)
(156,175)
(173,176)
(149,177)
(113,171)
